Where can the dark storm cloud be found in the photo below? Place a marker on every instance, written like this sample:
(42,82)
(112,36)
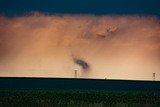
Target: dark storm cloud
(19,7)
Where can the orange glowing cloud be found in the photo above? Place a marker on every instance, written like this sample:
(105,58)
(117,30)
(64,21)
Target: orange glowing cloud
(116,47)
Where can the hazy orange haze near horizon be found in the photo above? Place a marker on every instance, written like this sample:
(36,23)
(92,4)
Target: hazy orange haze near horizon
(115,47)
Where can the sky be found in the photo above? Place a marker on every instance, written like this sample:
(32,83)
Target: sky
(114,39)
(21,7)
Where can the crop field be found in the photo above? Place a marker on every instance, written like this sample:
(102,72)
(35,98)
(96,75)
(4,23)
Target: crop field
(13,94)
(77,98)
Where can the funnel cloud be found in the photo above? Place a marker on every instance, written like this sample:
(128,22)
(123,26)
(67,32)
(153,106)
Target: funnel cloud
(82,63)
(112,46)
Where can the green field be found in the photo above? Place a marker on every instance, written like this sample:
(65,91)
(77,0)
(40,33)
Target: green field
(27,97)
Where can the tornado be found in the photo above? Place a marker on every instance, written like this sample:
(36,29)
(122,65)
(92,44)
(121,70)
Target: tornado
(85,66)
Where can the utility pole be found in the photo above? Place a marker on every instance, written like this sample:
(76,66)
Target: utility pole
(154,76)
(75,73)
